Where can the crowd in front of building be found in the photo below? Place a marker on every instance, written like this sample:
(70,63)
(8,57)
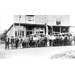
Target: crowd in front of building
(39,41)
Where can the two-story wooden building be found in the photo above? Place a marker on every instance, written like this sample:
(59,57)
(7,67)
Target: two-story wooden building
(39,24)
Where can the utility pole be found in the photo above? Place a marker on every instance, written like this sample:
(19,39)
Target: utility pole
(19,25)
(46,30)
(46,25)
(25,28)
(25,19)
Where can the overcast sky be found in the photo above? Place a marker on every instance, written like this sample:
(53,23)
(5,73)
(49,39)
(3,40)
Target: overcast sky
(7,20)
(72,20)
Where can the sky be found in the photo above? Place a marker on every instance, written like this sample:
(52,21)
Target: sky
(72,20)
(7,20)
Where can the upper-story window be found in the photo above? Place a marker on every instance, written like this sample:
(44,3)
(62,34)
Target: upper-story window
(58,22)
(29,18)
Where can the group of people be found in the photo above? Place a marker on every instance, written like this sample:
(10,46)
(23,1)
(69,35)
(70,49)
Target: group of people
(13,43)
(42,42)
(24,42)
(65,40)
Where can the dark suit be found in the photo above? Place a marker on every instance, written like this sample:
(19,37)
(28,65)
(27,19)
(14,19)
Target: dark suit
(7,43)
(12,43)
(16,43)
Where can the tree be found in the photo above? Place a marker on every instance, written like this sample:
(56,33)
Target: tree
(3,35)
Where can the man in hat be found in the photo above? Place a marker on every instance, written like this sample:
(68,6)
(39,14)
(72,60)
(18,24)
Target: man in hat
(12,42)
(7,42)
(16,42)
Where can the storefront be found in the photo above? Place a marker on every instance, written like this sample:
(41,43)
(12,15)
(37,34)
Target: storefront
(28,29)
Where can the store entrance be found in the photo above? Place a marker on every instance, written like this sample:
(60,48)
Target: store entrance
(56,30)
(29,30)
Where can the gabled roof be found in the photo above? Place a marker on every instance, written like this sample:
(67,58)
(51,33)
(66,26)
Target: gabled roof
(9,28)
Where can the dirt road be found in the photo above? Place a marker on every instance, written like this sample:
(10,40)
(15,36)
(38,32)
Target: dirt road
(33,53)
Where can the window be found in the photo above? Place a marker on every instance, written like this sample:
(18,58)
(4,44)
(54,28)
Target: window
(41,31)
(30,18)
(56,29)
(65,29)
(58,22)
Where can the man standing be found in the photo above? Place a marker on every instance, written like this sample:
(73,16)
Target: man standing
(6,43)
(16,42)
(12,42)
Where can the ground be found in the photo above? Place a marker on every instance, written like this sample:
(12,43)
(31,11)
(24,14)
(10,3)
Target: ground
(64,55)
(36,53)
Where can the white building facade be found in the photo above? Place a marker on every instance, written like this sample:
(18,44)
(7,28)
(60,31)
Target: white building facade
(25,25)
(41,19)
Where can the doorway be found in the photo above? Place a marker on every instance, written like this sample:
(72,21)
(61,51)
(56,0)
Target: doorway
(56,29)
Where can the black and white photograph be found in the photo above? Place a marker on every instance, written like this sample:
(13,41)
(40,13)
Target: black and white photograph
(37,36)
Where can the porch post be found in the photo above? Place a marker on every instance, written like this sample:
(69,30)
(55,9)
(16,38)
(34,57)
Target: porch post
(60,29)
(19,25)
(25,28)
(46,30)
